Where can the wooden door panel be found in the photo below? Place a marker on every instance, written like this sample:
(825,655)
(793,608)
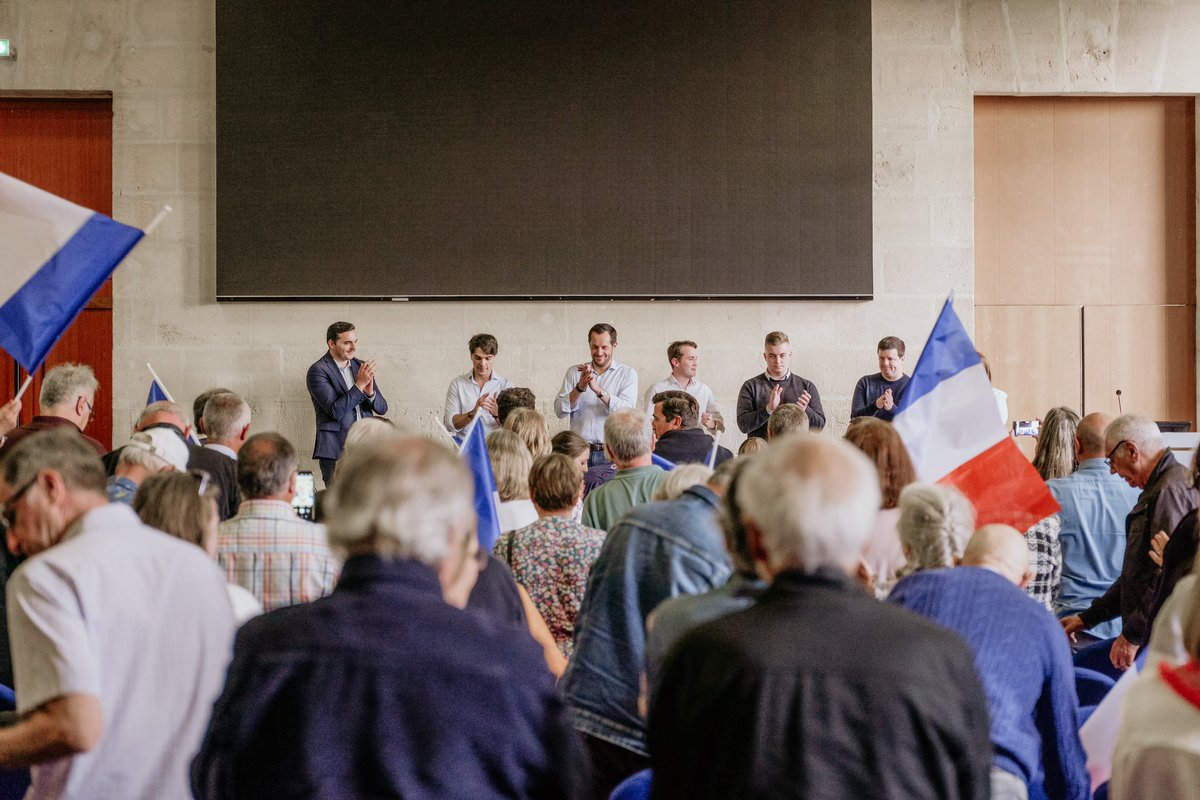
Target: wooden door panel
(1145,351)
(64,145)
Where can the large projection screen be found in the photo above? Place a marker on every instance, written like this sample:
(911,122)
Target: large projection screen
(543,149)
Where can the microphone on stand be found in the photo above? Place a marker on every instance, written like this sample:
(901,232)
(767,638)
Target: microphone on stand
(1119,409)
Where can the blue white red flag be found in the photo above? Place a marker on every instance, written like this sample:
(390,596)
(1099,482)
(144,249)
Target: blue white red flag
(157,393)
(474,451)
(948,419)
(55,256)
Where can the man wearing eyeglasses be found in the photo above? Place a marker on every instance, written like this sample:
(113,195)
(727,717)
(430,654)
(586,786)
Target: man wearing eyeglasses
(1137,452)
(120,634)
(68,400)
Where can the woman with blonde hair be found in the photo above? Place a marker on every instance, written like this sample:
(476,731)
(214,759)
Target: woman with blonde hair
(531,427)
(1054,456)
(511,463)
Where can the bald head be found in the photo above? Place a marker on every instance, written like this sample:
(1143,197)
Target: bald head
(1089,435)
(1000,548)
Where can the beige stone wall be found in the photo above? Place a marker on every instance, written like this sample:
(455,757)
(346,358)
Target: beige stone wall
(930,58)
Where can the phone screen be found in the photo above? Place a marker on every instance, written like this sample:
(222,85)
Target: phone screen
(305,495)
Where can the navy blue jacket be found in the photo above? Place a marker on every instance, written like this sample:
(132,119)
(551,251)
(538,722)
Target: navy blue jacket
(382,689)
(335,404)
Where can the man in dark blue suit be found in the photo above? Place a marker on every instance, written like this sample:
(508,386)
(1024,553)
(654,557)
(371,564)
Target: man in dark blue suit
(343,391)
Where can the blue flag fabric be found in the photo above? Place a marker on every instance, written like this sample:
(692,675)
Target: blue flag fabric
(474,451)
(157,393)
(56,255)
(662,462)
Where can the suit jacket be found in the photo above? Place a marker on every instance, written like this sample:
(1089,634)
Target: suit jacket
(223,471)
(335,404)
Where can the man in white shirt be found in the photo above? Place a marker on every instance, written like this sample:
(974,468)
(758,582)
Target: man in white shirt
(591,391)
(685,363)
(475,392)
(120,633)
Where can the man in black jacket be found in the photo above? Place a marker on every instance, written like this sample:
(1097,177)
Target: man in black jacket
(677,432)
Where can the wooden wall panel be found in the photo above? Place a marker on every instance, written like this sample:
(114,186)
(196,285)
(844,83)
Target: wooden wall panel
(1145,351)
(1080,214)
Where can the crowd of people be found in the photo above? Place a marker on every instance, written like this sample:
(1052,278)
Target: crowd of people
(659,617)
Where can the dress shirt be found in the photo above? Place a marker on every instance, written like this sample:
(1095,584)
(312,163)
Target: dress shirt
(464,393)
(137,619)
(696,388)
(281,559)
(223,450)
(1094,506)
(588,414)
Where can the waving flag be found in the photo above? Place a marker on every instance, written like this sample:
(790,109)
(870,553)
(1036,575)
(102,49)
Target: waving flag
(55,256)
(474,451)
(947,418)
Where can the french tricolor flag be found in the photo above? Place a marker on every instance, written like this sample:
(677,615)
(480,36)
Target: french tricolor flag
(948,419)
(55,256)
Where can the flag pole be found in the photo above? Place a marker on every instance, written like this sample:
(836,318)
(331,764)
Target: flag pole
(154,223)
(442,428)
(712,457)
(24,386)
(158,380)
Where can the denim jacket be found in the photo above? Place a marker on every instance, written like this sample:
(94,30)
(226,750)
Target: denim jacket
(655,552)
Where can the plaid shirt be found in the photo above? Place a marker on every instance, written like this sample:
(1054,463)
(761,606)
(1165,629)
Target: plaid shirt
(1045,557)
(278,557)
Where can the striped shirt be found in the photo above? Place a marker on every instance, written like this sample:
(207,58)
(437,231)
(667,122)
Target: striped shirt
(279,558)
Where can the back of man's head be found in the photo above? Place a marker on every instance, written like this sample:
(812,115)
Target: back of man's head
(510,399)
(225,416)
(1000,548)
(401,497)
(813,501)
(64,383)
(627,435)
(162,411)
(63,451)
(1090,433)
(1136,428)
(679,405)
(199,402)
(265,466)
(788,418)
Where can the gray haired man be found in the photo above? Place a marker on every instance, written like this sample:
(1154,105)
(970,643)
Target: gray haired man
(67,400)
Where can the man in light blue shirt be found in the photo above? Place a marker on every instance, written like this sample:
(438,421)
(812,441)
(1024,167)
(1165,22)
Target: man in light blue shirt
(1094,506)
(593,390)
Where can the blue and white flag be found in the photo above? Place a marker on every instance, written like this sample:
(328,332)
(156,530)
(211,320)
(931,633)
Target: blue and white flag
(474,451)
(157,393)
(662,462)
(55,256)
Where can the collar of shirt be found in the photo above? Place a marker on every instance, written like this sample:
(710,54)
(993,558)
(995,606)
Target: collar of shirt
(111,515)
(787,376)
(222,449)
(792,581)
(368,569)
(684,386)
(266,508)
(1097,464)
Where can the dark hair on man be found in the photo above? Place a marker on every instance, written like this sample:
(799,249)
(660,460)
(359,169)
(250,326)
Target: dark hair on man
(675,349)
(603,327)
(485,342)
(891,343)
(679,404)
(337,329)
(265,465)
(883,445)
(198,405)
(775,338)
(516,397)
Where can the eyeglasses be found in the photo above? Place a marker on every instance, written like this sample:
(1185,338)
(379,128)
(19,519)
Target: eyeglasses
(9,514)
(203,477)
(1113,452)
(91,410)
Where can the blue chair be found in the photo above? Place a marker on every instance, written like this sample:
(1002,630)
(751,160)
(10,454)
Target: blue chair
(1096,658)
(1091,686)
(13,782)
(635,787)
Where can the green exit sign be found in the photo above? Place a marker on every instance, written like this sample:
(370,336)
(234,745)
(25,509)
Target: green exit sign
(5,49)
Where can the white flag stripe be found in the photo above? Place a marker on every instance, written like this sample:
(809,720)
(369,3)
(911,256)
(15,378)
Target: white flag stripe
(952,424)
(34,225)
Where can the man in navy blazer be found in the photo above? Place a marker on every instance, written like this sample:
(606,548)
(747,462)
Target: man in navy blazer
(343,391)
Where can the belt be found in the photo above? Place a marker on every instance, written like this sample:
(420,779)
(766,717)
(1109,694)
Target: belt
(595,448)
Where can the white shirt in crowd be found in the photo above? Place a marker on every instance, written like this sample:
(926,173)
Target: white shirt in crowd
(464,393)
(589,412)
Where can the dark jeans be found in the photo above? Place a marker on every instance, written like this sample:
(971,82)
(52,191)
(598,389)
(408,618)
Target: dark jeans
(327,466)
(610,764)
(597,457)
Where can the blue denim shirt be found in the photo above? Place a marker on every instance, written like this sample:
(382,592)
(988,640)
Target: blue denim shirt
(656,551)
(1094,506)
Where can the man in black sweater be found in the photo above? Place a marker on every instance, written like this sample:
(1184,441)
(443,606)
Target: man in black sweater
(764,393)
